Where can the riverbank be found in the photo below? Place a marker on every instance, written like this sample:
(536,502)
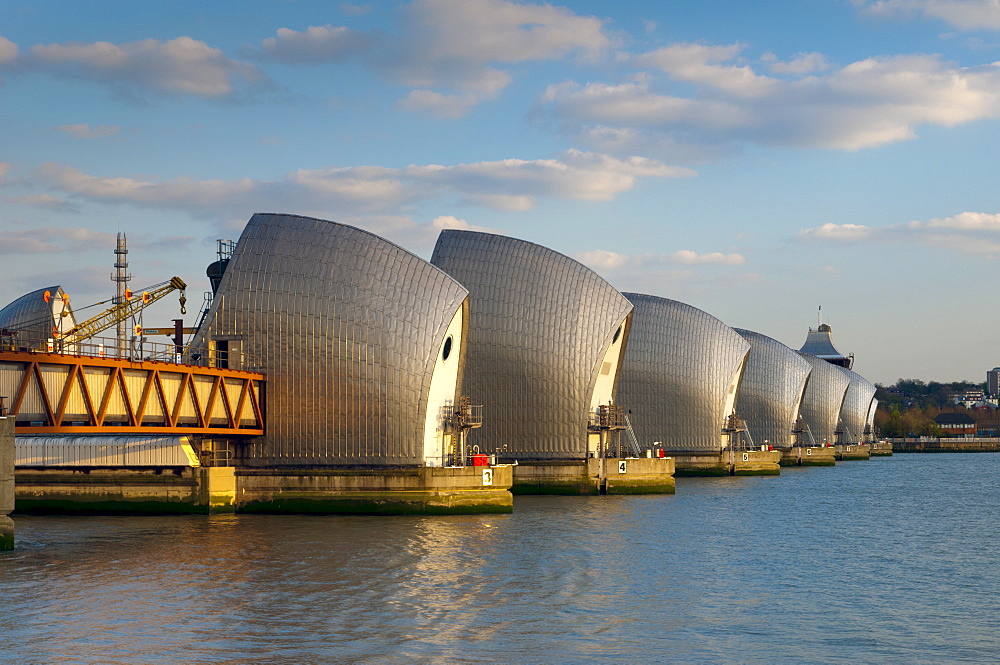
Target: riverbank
(927,444)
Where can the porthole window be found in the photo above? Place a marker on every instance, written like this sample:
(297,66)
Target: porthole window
(446,351)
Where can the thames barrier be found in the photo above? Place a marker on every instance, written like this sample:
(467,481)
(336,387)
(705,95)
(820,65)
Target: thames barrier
(336,372)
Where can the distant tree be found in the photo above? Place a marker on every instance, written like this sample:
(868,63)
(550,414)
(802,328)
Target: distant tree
(889,423)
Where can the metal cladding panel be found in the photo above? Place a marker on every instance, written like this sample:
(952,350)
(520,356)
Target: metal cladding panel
(30,314)
(347,327)
(857,404)
(771,391)
(103,451)
(539,326)
(823,398)
(678,369)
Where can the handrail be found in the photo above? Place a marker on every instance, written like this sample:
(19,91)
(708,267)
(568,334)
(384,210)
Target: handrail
(137,349)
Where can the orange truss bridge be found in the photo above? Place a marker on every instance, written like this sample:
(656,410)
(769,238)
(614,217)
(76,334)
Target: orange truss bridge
(53,393)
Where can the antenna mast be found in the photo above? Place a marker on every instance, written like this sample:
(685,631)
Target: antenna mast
(121,279)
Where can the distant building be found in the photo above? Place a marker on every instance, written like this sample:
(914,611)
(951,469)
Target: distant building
(993,382)
(971,399)
(956,424)
(819,343)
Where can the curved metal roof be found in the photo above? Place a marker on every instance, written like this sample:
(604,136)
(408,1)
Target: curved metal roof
(348,327)
(540,325)
(772,388)
(857,405)
(33,318)
(823,399)
(680,369)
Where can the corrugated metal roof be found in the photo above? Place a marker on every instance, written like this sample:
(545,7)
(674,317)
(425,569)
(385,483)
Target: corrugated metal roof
(103,451)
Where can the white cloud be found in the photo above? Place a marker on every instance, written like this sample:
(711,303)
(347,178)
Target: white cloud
(510,184)
(85,131)
(577,175)
(611,261)
(180,192)
(961,14)
(865,104)
(687,257)
(52,240)
(635,106)
(698,63)
(452,222)
(181,66)
(45,202)
(973,233)
(439,104)
(837,232)
(803,63)
(8,51)
(84,285)
(966,221)
(498,31)
(448,49)
(355,10)
(681,274)
(315,44)
(603,259)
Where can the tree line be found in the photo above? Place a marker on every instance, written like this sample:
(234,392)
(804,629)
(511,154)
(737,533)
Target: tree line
(909,406)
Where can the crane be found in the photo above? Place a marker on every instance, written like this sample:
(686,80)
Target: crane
(123,309)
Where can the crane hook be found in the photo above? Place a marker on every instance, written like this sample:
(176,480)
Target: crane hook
(183,302)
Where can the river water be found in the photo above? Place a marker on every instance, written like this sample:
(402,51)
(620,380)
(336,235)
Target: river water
(894,560)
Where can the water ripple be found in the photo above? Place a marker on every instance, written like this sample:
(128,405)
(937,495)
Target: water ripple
(888,561)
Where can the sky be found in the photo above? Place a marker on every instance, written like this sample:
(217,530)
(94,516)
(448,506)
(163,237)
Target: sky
(755,160)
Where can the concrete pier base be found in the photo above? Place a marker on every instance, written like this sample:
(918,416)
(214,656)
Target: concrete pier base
(6,533)
(202,490)
(881,449)
(613,475)
(111,491)
(218,488)
(808,456)
(6,483)
(728,463)
(853,451)
(402,491)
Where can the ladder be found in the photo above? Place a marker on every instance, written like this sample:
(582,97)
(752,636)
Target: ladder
(632,441)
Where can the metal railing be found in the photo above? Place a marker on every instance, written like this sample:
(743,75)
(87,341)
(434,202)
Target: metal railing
(134,349)
(606,417)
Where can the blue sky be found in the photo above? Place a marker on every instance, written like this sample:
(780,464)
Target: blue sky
(755,160)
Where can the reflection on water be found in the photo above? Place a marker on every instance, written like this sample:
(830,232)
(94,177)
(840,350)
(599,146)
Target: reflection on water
(888,561)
